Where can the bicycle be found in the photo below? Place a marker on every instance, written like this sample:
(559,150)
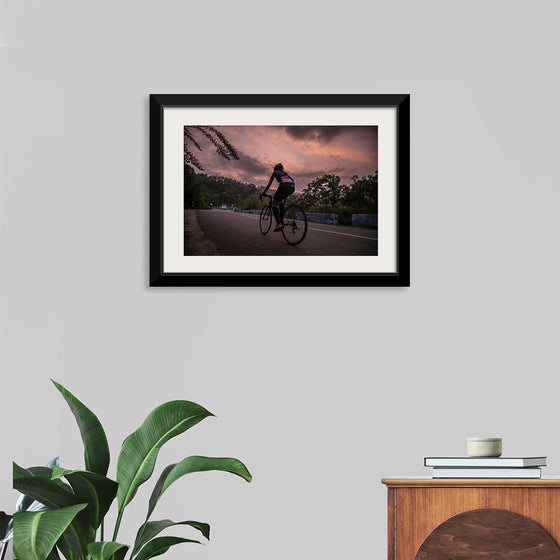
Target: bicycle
(292,216)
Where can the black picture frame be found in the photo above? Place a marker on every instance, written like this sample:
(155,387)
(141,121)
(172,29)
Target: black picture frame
(398,277)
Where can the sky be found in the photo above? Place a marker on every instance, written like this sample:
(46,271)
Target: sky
(307,152)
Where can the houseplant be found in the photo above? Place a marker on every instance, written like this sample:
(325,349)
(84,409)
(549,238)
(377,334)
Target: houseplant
(79,500)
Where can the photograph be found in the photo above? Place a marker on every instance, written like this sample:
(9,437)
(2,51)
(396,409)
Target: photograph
(300,190)
(316,184)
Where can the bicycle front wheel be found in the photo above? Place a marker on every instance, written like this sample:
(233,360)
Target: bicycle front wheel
(295,224)
(265,220)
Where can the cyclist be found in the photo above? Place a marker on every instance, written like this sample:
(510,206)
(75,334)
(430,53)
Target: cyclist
(286,187)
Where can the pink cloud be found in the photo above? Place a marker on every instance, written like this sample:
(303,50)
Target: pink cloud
(306,152)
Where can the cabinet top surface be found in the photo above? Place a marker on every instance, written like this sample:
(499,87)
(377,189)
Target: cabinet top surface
(470,482)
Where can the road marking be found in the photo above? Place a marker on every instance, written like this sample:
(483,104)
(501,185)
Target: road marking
(248,215)
(256,216)
(347,234)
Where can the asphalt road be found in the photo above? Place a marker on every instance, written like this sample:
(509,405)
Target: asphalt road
(224,232)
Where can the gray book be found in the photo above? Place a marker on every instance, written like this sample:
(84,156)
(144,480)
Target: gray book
(493,472)
(469,462)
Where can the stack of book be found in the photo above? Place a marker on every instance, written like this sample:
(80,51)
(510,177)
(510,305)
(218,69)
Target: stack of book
(485,467)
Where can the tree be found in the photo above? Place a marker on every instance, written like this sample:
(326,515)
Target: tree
(225,190)
(223,147)
(195,193)
(362,195)
(324,191)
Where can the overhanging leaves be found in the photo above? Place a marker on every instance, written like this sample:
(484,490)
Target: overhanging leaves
(223,147)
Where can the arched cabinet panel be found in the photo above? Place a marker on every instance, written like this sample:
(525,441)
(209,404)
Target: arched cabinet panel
(495,534)
(473,519)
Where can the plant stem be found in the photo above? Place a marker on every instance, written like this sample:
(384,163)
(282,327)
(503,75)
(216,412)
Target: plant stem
(117,525)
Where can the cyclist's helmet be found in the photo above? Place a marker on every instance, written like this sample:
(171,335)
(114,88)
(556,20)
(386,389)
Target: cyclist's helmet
(278,166)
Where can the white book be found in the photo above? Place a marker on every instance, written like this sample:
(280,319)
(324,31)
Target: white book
(468,462)
(527,472)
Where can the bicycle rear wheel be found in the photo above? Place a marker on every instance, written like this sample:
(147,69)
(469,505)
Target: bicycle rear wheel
(265,220)
(295,224)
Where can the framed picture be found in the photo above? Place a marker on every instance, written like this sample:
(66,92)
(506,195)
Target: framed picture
(279,190)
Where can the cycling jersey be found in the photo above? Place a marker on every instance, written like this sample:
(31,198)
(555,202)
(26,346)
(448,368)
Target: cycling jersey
(282,177)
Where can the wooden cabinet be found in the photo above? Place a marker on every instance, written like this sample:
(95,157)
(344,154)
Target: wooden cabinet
(498,519)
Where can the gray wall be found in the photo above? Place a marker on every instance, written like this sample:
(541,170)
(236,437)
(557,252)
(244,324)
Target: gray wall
(372,379)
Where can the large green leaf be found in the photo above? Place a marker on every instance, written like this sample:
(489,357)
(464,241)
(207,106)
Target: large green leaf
(55,494)
(36,533)
(96,448)
(149,530)
(160,546)
(45,473)
(25,503)
(95,489)
(105,550)
(140,449)
(51,493)
(173,472)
